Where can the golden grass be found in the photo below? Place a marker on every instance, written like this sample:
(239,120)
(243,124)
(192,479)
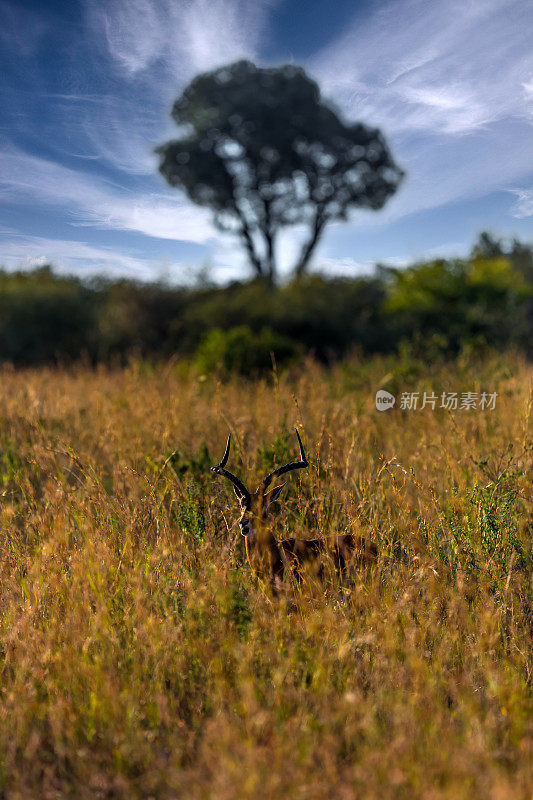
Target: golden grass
(139,655)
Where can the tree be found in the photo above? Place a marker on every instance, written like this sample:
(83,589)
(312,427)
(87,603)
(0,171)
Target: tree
(519,253)
(262,150)
(487,246)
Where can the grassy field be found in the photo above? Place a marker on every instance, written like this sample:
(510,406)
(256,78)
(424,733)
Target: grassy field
(141,657)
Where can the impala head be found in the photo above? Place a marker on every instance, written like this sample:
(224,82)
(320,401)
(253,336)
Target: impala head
(255,506)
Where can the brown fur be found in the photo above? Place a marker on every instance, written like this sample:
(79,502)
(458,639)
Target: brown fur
(293,556)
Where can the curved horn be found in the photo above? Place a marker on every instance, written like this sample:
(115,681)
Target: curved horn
(218,469)
(301,464)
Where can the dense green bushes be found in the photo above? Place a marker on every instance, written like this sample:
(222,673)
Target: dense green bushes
(44,317)
(460,301)
(241,350)
(441,306)
(326,316)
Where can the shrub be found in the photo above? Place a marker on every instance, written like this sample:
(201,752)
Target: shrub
(242,351)
(44,317)
(460,302)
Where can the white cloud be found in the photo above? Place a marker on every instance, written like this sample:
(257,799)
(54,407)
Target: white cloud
(523,206)
(214,32)
(134,33)
(18,250)
(122,132)
(95,202)
(157,46)
(442,171)
(83,258)
(448,67)
(448,83)
(185,37)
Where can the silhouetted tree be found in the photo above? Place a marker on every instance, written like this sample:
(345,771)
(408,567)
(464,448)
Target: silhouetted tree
(520,254)
(487,246)
(262,150)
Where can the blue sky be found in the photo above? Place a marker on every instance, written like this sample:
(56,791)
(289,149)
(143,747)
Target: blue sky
(88,85)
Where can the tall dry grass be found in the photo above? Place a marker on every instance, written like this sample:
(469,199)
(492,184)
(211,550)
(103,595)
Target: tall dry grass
(140,656)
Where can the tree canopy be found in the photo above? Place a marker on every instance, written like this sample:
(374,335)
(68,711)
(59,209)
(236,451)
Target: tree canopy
(263,151)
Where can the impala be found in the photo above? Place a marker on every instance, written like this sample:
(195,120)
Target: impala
(274,557)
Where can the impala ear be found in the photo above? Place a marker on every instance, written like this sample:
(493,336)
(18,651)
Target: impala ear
(272,496)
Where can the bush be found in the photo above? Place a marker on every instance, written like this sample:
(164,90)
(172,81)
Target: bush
(459,302)
(44,317)
(242,351)
(437,308)
(326,316)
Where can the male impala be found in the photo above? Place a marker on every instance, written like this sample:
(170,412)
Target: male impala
(276,557)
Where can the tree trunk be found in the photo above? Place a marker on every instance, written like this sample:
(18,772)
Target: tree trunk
(308,248)
(270,262)
(255,261)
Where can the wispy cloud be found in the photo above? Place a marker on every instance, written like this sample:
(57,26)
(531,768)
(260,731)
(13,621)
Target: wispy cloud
(523,206)
(448,67)
(123,132)
(96,202)
(441,170)
(21,250)
(449,83)
(156,47)
(184,37)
